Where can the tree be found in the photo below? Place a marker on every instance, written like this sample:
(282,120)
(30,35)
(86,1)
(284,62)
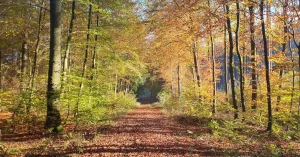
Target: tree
(235,106)
(266,59)
(285,31)
(225,63)
(253,56)
(196,65)
(35,58)
(239,55)
(69,40)
(83,72)
(53,120)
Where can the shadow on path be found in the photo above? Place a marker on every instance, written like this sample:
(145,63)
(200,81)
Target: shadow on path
(144,131)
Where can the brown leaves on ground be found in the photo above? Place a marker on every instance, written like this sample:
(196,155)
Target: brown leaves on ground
(144,131)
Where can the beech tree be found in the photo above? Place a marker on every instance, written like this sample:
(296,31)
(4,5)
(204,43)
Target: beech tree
(53,119)
(231,47)
(266,59)
(253,56)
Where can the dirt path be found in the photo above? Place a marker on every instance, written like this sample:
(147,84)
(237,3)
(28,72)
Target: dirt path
(145,131)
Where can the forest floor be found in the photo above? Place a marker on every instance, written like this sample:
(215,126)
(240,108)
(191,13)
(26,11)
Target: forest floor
(144,131)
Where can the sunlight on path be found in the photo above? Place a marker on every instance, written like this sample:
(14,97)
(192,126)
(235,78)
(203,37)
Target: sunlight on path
(145,131)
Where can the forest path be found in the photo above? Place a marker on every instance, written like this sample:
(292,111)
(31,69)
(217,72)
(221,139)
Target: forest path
(145,131)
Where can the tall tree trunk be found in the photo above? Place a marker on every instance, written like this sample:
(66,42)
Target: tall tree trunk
(66,59)
(293,77)
(265,42)
(196,64)
(214,101)
(299,77)
(36,51)
(235,106)
(94,60)
(24,63)
(285,31)
(253,58)
(213,65)
(298,47)
(53,119)
(69,40)
(269,37)
(84,65)
(23,78)
(225,64)
(239,56)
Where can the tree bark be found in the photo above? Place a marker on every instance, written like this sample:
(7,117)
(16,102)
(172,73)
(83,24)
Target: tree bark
(266,58)
(84,65)
(293,76)
(299,77)
(24,63)
(225,64)
(36,51)
(239,56)
(69,40)
(269,37)
(66,59)
(233,95)
(196,64)
(53,119)
(94,60)
(285,30)
(253,58)
(214,102)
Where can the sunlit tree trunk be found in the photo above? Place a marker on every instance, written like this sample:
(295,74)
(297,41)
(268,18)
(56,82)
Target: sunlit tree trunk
(253,57)
(233,95)
(84,62)
(67,58)
(36,51)
(239,56)
(266,58)
(69,40)
(53,119)
(84,65)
